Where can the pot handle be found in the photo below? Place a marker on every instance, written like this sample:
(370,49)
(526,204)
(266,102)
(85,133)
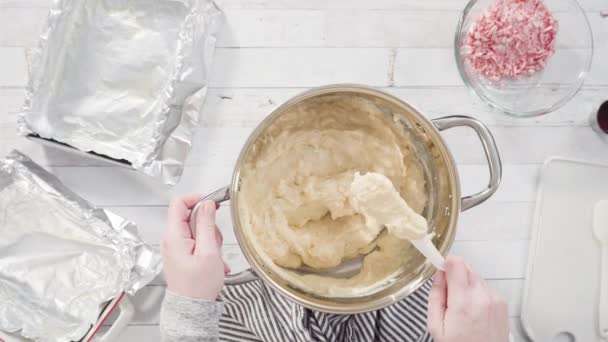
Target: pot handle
(219,196)
(127,311)
(490,149)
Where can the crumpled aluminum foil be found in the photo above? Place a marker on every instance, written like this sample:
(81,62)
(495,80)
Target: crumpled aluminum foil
(60,257)
(125,79)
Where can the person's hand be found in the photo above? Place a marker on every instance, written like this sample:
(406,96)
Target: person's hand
(193,266)
(462,308)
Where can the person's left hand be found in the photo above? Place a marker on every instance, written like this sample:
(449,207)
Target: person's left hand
(193,266)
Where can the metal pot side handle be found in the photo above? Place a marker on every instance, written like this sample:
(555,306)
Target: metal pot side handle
(219,196)
(123,305)
(490,149)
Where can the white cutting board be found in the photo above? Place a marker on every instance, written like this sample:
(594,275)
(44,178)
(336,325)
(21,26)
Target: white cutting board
(561,291)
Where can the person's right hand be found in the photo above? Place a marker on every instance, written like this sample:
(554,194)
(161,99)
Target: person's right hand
(193,265)
(462,308)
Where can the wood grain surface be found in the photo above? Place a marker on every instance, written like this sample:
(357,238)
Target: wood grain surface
(270,50)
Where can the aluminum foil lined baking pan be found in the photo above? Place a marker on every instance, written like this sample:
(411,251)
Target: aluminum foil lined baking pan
(60,257)
(123,79)
(121,305)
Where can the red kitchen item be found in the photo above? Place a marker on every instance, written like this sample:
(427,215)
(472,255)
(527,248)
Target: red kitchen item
(599,121)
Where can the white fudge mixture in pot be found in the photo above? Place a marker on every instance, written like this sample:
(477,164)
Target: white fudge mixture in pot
(315,186)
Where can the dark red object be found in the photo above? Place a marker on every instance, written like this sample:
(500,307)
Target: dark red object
(602,117)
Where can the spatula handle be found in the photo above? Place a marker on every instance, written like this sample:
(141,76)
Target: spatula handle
(426,247)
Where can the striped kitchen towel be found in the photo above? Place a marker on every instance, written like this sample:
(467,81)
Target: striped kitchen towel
(254,312)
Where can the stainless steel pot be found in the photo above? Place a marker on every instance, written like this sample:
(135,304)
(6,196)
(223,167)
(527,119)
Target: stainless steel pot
(443,208)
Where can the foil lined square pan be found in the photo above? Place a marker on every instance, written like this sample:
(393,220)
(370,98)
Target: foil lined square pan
(124,79)
(60,257)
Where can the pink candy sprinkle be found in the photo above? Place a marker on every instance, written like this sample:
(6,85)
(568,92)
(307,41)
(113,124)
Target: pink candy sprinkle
(511,39)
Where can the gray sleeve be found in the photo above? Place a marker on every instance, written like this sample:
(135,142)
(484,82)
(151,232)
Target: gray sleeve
(185,319)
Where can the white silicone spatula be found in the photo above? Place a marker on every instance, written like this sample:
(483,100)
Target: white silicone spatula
(428,249)
(600,231)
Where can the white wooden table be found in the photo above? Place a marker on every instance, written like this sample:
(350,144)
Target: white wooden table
(270,50)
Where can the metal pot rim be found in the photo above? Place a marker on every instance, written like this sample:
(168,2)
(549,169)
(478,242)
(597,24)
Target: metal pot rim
(432,127)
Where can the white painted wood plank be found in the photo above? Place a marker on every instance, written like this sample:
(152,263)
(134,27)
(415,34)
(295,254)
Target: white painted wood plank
(221,145)
(529,145)
(304,28)
(14,67)
(151,221)
(433,67)
(428,29)
(391,28)
(274,67)
(346,4)
(495,259)
(25,3)
(512,291)
(336,28)
(10,140)
(438,62)
(439,102)
(307,67)
(304,67)
(519,182)
(147,333)
(246,107)
(441,5)
(499,228)
(298,67)
(11,100)
(264,28)
(589,5)
(116,186)
(21,26)
(217,148)
(105,186)
(496,221)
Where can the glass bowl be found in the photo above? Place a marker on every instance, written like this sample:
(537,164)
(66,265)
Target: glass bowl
(546,90)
